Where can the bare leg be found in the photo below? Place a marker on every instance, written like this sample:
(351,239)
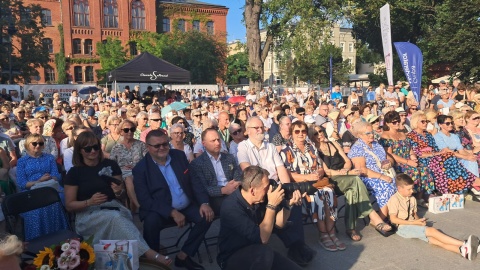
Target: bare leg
(443,238)
(131,191)
(383,212)
(436,242)
(376,219)
(151,254)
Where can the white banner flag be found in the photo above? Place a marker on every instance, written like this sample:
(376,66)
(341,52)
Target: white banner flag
(387,41)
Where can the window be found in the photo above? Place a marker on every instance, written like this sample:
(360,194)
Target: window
(89,74)
(342,46)
(181,25)
(210,29)
(48,44)
(166,25)
(47,17)
(110,14)
(350,47)
(133,48)
(138,15)
(25,15)
(77,46)
(81,13)
(88,46)
(49,75)
(196,25)
(78,74)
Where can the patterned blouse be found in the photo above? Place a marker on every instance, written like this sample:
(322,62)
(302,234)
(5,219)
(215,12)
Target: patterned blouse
(278,140)
(301,162)
(128,157)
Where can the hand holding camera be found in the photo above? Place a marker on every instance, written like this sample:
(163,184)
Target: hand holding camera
(275,196)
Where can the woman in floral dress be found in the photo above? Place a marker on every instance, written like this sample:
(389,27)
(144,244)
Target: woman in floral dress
(397,145)
(469,135)
(450,176)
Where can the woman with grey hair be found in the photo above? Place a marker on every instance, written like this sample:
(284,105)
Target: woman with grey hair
(177,134)
(142,120)
(370,158)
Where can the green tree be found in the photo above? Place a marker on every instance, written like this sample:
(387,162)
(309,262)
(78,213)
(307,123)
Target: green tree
(112,55)
(237,67)
(25,48)
(60,60)
(151,42)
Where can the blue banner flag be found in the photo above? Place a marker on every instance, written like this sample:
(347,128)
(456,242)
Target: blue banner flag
(412,60)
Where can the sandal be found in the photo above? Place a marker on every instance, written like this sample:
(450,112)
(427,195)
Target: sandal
(327,243)
(340,245)
(380,229)
(354,235)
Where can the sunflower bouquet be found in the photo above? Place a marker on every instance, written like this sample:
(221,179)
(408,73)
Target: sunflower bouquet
(69,255)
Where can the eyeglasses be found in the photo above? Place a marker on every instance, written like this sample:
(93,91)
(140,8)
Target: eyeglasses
(89,149)
(178,133)
(448,123)
(35,144)
(204,114)
(257,128)
(297,131)
(394,122)
(132,129)
(424,121)
(156,120)
(369,133)
(236,132)
(157,146)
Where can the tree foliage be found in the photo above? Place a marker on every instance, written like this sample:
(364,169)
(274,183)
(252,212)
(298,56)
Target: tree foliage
(60,61)
(26,48)
(237,67)
(112,55)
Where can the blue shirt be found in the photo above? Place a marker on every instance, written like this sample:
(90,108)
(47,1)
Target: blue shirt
(371,96)
(337,95)
(179,198)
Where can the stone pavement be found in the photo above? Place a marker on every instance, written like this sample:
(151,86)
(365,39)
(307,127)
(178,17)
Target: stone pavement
(375,251)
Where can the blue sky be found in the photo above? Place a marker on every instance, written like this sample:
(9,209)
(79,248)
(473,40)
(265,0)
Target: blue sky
(235,27)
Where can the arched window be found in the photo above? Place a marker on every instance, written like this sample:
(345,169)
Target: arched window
(138,15)
(110,14)
(81,13)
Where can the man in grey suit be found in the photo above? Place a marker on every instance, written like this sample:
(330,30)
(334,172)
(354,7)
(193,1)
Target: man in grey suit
(218,172)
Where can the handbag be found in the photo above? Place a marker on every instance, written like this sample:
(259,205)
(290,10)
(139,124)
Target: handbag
(49,183)
(388,172)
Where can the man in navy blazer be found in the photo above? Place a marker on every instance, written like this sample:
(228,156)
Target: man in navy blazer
(218,172)
(168,196)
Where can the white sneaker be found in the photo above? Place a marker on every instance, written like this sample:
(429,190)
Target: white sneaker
(469,247)
(475,190)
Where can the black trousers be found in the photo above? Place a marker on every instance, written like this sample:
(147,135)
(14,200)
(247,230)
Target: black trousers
(294,232)
(261,257)
(154,223)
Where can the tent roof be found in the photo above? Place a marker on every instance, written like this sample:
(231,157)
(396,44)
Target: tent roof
(149,68)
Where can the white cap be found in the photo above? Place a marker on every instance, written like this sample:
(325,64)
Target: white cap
(341,104)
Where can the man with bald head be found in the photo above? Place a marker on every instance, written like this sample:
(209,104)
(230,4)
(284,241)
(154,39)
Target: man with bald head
(223,124)
(154,122)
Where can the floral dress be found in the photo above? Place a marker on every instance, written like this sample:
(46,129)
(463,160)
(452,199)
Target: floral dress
(307,162)
(449,174)
(467,142)
(420,175)
(381,190)
(128,157)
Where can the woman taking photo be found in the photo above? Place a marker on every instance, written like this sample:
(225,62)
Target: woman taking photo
(397,146)
(338,167)
(91,194)
(370,158)
(33,168)
(449,175)
(127,153)
(302,161)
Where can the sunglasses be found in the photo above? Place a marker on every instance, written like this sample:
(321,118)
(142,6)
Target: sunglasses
(157,146)
(394,122)
(204,114)
(156,120)
(236,132)
(132,129)
(448,123)
(424,121)
(413,109)
(35,144)
(303,131)
(21,112)
(196,115)
(69,128)
(89,149)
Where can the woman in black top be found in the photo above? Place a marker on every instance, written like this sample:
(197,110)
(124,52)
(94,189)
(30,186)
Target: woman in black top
(338,167)
(93,189)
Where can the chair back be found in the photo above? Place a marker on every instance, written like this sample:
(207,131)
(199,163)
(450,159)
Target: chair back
(29,200)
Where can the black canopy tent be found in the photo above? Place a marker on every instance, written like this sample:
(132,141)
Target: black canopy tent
(148,68)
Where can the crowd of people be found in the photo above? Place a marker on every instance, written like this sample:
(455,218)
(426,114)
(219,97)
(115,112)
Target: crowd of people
(115,156)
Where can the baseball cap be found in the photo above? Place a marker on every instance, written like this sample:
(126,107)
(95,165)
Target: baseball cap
(371,118)
(341,104)
(347,112)
(91,112)
(400,110)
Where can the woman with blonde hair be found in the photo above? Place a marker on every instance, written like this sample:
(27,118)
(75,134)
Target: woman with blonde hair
(431,117)
(113,137)
(10,250)
(458,120)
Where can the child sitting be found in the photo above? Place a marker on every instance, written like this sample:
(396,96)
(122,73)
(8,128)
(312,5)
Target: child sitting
(402,209)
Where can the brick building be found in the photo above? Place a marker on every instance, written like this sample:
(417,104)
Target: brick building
(86,22)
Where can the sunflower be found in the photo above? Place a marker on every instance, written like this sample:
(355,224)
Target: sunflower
(44,257)
(86,253)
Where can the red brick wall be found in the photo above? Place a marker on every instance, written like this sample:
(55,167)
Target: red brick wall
(62,12)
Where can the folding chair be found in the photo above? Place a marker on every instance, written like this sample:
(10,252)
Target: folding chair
(16,204)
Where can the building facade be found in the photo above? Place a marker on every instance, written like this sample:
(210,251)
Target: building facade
(87,22)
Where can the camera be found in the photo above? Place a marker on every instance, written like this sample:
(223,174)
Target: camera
(289,188)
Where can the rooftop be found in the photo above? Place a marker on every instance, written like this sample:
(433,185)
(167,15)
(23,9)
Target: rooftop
(192,2)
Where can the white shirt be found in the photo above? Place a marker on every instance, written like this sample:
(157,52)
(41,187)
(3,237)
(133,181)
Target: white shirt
(266,156)
(266,122)
(217,166)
